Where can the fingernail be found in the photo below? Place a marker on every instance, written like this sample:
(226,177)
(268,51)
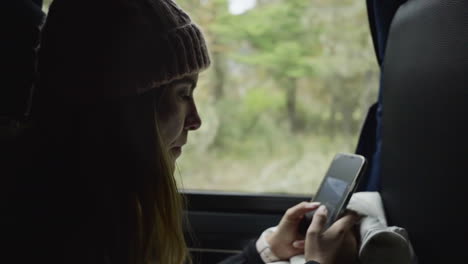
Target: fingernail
(312,205)
(322,210)
(298,244)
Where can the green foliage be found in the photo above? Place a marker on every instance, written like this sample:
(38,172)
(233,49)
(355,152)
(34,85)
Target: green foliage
(278,38)
(249,124)
(261,100)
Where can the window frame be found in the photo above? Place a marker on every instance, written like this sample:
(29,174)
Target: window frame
(237,202)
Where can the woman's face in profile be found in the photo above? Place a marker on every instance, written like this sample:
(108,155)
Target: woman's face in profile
(177,113)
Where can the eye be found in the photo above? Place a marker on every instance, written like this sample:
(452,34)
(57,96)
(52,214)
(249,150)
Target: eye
(184,91)
(186,97)
(185,94)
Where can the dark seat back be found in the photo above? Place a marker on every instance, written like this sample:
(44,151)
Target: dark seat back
(20,29)
(425,127)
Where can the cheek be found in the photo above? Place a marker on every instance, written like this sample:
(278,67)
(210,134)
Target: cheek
(171,122)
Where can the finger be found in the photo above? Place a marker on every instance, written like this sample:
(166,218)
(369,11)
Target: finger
(318,221)
(349,211)
(300,244)
(342,225)
(358,216)
(296,212)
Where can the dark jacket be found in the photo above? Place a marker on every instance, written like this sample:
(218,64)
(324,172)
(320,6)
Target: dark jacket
(248,256)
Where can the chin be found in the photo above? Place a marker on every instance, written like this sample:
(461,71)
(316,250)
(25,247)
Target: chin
(176,152)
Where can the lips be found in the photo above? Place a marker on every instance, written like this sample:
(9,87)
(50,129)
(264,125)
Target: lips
(179,145)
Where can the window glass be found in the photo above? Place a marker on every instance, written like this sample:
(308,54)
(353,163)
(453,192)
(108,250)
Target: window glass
(45,5)
(289,86)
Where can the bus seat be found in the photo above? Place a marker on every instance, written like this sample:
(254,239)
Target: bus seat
(21,22)
(424,176)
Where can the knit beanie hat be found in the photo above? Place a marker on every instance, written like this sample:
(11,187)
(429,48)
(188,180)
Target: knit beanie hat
(183,42)
(101,49)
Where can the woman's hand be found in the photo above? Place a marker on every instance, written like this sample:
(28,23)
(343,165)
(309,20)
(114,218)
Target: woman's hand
(337,244)
(286,242)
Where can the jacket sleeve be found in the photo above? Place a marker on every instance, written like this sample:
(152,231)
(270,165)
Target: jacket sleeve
(249,255)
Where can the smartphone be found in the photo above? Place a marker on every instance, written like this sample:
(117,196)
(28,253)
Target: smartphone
(337,186)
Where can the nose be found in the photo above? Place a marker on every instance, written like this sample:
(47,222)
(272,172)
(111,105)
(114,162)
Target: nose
(193,121)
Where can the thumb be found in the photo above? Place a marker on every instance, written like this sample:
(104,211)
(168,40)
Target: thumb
(300,244)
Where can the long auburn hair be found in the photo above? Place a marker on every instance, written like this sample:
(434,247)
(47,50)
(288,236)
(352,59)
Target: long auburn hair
(110,188)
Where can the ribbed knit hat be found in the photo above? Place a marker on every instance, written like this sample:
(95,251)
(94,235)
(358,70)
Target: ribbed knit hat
(116,48)
(182,40)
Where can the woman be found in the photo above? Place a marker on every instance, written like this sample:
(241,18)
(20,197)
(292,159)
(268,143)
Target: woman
(111,114)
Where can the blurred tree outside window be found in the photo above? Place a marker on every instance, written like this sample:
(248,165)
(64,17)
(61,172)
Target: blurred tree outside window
(290,84)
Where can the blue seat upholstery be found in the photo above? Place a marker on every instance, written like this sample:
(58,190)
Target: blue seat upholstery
(380,14)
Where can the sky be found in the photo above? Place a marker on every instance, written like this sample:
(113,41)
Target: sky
(237,7)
